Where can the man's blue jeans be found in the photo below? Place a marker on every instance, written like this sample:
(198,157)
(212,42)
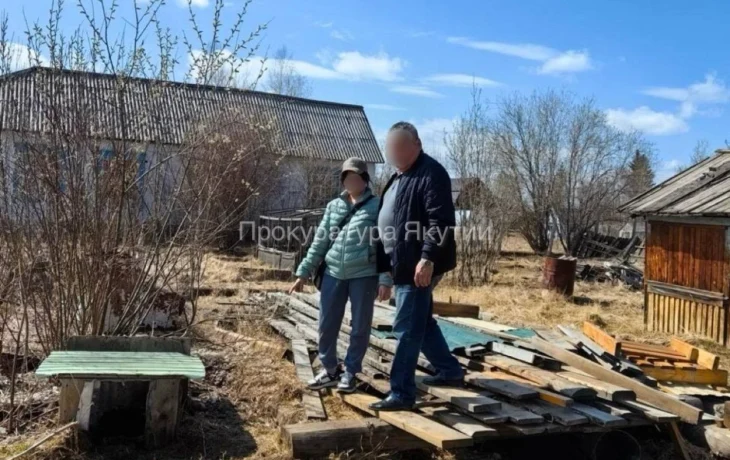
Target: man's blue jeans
(416,331)
(332,302)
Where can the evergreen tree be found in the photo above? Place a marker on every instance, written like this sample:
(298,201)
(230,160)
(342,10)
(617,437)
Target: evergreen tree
(641,175)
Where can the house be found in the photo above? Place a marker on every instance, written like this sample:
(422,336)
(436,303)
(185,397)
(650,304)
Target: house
(637,227)
(687,276)
(316,136)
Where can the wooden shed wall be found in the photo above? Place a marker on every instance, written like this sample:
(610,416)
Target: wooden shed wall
(686,279)
(692,256)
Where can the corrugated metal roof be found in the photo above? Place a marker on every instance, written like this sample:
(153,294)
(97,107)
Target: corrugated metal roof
(122,364)
(702,190)
(164,112)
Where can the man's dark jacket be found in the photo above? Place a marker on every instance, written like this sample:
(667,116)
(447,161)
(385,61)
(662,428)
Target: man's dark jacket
(423,201)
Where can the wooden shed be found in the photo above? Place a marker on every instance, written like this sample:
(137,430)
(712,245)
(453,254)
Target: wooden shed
(687,252)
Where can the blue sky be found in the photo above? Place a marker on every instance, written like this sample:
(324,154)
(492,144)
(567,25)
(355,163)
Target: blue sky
(656,66)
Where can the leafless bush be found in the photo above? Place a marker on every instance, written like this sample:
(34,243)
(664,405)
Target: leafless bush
(102,216)
(485,209)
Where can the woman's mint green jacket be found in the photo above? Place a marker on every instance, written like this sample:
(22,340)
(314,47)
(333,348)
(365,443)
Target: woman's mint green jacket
(352,254)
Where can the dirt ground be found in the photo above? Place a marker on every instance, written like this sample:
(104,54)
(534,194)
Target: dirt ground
(250,389)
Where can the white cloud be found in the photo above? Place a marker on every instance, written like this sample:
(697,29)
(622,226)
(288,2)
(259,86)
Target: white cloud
(555,62)
(358,66)
(567,62)
(388,107)
(342,34)
(646,120)
(460,79)
(668,169)
(21,57)
(432,132)
(352,66)
(324,25)
(421,91)
(712,91)
(196,3)
(521,50)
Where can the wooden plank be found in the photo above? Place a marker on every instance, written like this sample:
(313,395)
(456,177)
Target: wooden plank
(543,378)
(487,418)
(503,387)
(598,416)
(68,400)
(85,414)
(460,422)
(679,443)
(647,349)
(544,395)
(472,401)
(656,398)
(485,326)
(652,413)
(163,405)
(604,390)
(320,439)
(525,356)
(555,338)
(617,411)
(311,400)
(555,414)
(726,414)
(520,416)
(428,430)
(716,377)
(448,309)
(603,339)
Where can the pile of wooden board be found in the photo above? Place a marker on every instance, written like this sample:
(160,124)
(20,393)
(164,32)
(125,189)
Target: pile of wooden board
(517,385)
(680,368)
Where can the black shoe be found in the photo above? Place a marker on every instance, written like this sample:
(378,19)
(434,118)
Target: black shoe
(390,405)
(439,381)
(324,380)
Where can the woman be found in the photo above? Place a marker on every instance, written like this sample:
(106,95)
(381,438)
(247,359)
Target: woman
(349,255)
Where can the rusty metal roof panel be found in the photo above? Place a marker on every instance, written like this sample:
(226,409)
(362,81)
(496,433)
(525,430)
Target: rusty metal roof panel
(702,190)
(165,112)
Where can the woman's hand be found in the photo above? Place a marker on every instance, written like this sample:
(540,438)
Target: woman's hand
(384,293)
(297,286)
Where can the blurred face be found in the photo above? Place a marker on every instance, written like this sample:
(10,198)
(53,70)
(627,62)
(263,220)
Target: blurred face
(354,184)
(401,149)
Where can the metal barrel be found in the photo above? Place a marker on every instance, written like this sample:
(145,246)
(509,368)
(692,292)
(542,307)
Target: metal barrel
(559,275)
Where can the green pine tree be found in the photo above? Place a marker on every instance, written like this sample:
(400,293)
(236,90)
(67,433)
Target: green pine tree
(640,175)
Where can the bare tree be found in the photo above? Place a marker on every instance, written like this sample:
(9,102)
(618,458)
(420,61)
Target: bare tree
(592,181)
(485,207)
(528,136)
(566,164)
(283,78)
(103,218)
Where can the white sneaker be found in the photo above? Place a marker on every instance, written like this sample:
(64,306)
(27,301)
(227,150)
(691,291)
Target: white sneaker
(348,383)
(324,380)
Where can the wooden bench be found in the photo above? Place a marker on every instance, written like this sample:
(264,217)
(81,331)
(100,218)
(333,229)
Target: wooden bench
(101,372)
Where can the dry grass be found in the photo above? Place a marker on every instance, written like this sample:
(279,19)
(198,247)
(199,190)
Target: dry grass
(250,390)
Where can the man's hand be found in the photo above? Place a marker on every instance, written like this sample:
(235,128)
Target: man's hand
(384,293)
(424,272)
(297,286)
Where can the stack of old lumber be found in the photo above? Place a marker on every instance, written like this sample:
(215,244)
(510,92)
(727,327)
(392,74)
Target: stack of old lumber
(518,384)
(680,368)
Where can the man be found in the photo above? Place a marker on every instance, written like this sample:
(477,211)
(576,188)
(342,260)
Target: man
(416,219)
